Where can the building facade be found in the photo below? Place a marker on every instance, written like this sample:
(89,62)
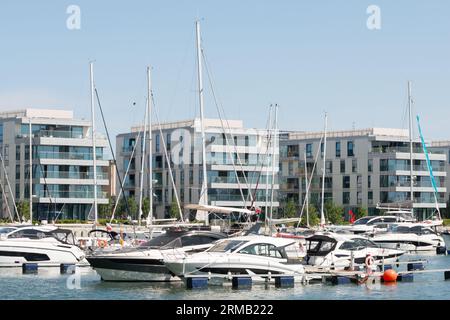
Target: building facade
(363,169)
(239,165)
(62,164)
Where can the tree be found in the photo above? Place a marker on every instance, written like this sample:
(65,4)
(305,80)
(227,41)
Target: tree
(291,209)
(23,208)
(145,206)
(334,213)
(360,212)
(105,210)
(314,219)
(174,212)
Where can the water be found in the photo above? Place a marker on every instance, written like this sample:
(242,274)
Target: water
(49,284)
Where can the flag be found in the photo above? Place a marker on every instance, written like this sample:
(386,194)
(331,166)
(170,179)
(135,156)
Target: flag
(352,216)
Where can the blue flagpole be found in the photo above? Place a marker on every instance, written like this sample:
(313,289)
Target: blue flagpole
(430,168)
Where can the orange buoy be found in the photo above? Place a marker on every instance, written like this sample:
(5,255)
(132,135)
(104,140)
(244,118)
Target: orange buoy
(390,275)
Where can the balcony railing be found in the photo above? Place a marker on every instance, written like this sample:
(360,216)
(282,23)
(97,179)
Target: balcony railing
(72,175)
(401,149)
(54,134)
(71,194)
(67,155)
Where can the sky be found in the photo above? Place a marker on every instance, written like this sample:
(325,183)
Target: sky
(307,56)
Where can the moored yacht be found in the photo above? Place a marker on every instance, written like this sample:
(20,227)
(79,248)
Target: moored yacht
(145,262)
(411,237)
(45,245)
(338,251)
(247,255)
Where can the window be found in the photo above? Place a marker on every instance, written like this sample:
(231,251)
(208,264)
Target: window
(321,149)
(18,153)
(346,197)
(350,149)
(328,167)
(354,165)
(384,165)
(369,182)
(168,137)
(359,181)
(309,150)
(370,165)
(338,149)
(262,249)
(359,197)
(370,197)
(342,166)
(226,245)
(346,182)
(157,143)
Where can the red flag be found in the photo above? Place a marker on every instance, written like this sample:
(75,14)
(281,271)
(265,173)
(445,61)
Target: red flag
(352,216)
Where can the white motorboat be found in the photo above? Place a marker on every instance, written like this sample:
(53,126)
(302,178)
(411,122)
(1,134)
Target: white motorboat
(247,255)
(45,245)
(339,251)
(411,237)
(145,262)
(371,224)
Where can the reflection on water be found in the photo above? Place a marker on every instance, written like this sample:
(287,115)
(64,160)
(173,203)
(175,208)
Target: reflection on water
(86,284)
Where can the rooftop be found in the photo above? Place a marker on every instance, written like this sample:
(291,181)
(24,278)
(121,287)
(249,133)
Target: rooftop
(375,132)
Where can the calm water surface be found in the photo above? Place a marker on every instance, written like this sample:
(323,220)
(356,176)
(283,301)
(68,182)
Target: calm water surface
(49,284)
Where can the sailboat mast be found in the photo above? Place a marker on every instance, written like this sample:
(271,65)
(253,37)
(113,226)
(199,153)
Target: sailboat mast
(274,147)
(269,140)
(410,147)
(141,182)
(307,192)
(204,190)
(150,146)
(30,171)
(322,214)
(94,149)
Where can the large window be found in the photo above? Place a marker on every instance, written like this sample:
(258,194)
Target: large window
(354,165)
(370,165)
(346,197)
(342,166)
(338,149)
(346,182)
(309,150)
(350,149)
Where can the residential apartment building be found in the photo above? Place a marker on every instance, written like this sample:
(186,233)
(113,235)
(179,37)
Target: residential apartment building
(239,164)
(62,170)
(363,168)
(443,146)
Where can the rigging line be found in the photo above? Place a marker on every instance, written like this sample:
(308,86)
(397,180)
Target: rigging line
(9,185)
(45,184)
(167,158)
(225,134)
(180,69)
(112,151)
(125,176)
(219,104)
(268,144)
(311,176)
(6,200)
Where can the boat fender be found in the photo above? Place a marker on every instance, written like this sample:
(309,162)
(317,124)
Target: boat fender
(102,243)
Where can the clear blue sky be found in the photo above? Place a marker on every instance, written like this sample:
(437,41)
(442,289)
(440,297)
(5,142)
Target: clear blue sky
(307,56)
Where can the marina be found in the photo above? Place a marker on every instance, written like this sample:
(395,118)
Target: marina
(153,192)
(49,284)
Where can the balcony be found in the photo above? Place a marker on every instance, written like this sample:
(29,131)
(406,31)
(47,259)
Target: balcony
(400,149)
(71,194)
(73,175)
(54,134)
(67,155)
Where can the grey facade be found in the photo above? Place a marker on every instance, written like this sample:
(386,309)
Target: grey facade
(364,168)
(62,161)
(245,154)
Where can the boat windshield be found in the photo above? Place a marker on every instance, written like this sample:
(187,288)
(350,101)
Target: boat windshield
(161,240)
(6,230)
(320,247)
(226,245)
(362,221)
(406,229)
